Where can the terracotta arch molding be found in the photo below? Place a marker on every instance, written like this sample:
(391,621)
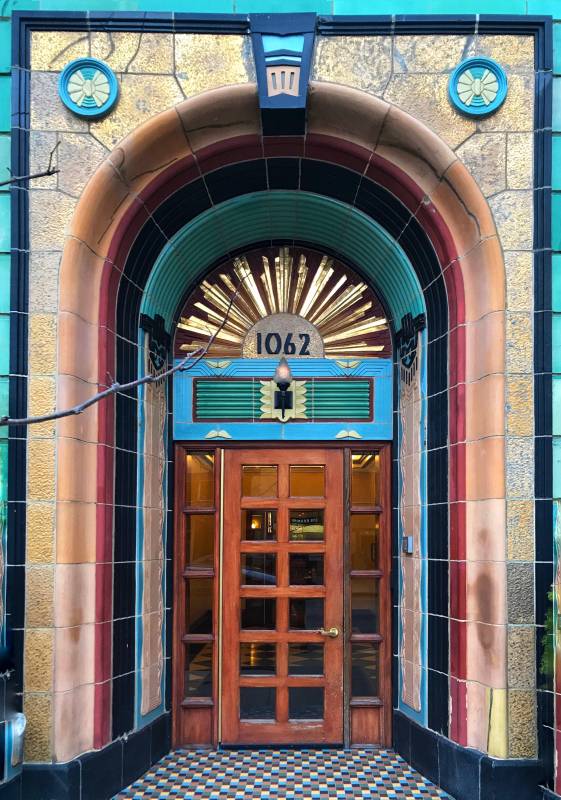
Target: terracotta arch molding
(220,127)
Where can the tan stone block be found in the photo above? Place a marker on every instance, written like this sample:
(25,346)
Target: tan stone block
(520,160)
(78,347)
(363,62)
(486,591)
(39,597)
(41,469)
(135,52)
(486,654)
(41,145)
(485,342)
(41,401)
(52,115)
(42,344)
(513,213)
(484,154)
(485,474)
(142,96)
(517,111)
(519,280)
(520,530)
(428,53)
(73,722)
(519,468)
(76,533)
(513,53)
(426,98)
(522,727)
(485,408)
(519,395)
(49,217)
(38,660)
(74,657)
(43,281)
(79,156)
(77,469)
(52,50)
(206,61)
(519,344)
(521,657)
(39,540)
(38,709)
(74,594)
(485,528)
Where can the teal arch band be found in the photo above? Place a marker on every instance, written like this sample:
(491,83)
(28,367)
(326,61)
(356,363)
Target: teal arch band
(302,216)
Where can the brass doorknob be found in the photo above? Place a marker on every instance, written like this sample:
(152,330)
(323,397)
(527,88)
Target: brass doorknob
(333,633)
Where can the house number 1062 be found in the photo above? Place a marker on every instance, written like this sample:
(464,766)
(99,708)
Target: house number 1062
(272,344)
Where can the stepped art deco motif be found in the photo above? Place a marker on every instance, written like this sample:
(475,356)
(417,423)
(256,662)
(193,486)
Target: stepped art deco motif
(312,303)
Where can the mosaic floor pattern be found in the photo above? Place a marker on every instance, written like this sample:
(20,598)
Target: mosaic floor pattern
(282,775)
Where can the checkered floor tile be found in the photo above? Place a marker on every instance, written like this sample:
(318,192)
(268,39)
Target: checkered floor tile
(282,775)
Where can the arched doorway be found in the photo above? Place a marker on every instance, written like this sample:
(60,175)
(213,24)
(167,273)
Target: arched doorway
(362,167)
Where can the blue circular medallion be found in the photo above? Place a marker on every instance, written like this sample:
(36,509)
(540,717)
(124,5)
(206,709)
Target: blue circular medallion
(478,87)
(88,87)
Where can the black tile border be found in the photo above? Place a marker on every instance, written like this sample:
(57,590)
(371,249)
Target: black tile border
(465,773)
(98,774)
(23,22)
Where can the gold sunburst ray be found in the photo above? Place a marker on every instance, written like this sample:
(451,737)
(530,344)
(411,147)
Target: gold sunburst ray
(300,282)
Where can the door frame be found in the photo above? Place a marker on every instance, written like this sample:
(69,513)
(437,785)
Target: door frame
(197,709)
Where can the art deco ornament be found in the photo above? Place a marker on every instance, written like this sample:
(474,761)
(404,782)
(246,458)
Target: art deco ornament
(478,87)
(88,87)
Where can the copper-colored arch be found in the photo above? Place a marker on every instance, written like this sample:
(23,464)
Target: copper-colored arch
(130,180)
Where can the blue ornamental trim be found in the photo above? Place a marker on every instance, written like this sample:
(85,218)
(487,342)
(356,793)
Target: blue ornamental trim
(478,87)
(88,87)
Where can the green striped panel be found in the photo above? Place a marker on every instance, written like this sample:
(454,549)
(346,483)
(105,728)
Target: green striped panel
(219,399)
(338,399)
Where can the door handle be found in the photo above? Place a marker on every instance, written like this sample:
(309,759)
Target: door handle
(333,633)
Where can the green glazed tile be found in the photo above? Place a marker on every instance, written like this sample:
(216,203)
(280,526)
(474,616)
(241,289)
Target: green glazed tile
(556,283)
(5,161)
(557,104)
(5,267)
(556,158)
(556,220)
(557,49)
(556,344)
(557,405)
(557,467)
(4,350)
(5,46)
(5,223)
(5,103)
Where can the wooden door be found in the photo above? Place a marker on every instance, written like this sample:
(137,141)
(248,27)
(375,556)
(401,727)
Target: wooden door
(282,647)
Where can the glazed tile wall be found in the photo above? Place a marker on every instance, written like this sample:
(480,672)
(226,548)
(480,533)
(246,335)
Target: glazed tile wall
(413,71)
(507,138)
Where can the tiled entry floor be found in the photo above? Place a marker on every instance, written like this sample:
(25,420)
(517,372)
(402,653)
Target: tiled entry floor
(282,774)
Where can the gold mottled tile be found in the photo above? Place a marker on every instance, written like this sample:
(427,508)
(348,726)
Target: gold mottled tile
(426,98)
(41,402)
(205,61)
(519,344)
(521,657)
(52,115)
(363,62)
(80,155)
(519,402)
(519,468)
(520,530)
(520,160)
(429,54)
(43,282)
(49,217)
(134,53)
(41,470)
(42,344)
(522,709)
(39,540)
(513,53)
(519,267)
(513,213)
(38,710)
(517,111)
(52,50)
(484,154)
(42,151)
(38,660)
(39,597)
